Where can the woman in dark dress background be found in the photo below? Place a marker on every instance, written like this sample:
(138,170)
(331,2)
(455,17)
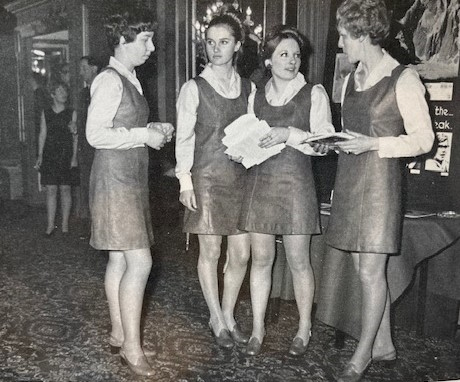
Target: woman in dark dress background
(57,154)
(384,108)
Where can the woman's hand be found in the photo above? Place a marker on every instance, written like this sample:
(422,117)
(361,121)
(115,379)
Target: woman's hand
(74,162)
(156,139)
(235,159)
(166,128)
(275,136)
(38,163)
(358,145)
(321,148)
(188,199)
(72,127)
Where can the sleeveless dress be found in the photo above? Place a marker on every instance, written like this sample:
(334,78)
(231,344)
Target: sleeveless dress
(119,193)
(280,196)
(218,182)
(366,209)
(58,149)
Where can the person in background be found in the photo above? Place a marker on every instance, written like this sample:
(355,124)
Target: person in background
(89,68)
(384,108)
(280,196)
(211,184)
(57,155)
(118,192)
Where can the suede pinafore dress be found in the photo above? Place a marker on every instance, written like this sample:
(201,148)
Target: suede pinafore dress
(280,196)
(366,210)
(119,193)
(218,182)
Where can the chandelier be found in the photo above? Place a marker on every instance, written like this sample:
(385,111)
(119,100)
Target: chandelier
(219,7)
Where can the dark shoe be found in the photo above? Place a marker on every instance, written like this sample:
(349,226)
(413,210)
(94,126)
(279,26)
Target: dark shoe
(224,340)
(298,347)
(238,336)
(141,367)
(352,374)
(254,346)
(115,345)
(387,360)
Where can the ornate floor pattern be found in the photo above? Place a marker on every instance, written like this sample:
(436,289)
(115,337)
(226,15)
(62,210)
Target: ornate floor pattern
(54,320)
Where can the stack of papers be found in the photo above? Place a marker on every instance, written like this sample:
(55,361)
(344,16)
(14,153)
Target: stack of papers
(242,138)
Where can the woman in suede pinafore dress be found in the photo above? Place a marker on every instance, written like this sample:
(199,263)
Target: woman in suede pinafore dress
(384,108)
(118,193)
(211,184)
(280,196)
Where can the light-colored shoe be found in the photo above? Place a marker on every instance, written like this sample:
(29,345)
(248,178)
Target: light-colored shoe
(141,367)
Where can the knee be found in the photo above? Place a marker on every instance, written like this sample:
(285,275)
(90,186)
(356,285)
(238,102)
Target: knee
(262,260)
(209,248)
(239,258)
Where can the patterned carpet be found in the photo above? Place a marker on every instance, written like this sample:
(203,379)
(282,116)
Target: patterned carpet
(54,319)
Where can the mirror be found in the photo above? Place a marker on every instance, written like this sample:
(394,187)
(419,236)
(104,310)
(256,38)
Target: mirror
(50,54)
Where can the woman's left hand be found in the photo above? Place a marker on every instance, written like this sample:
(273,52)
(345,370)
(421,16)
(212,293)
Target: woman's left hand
(166,128)
(358,145)
(74,162)
(275,136)
(73,127)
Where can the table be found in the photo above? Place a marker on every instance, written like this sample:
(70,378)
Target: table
(430,244)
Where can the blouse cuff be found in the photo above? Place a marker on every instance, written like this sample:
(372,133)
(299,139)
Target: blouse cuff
(185,182)
(295,136)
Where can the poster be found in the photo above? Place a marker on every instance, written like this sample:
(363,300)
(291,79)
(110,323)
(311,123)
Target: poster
(425,35)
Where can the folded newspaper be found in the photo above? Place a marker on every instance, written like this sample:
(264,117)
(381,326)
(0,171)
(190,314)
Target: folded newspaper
(242,139)
(329,139)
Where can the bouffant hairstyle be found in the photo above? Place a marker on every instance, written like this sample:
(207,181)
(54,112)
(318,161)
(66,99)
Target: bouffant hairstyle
(127,24)
(231,21)
(364,18)
(276,35)
(234,24)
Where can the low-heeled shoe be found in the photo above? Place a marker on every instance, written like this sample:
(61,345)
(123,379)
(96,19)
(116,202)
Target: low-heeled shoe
(298,347)
(142,367)
(254,346)
(224,340)
(387,357)
(238,336)
(115,345)
(352,374)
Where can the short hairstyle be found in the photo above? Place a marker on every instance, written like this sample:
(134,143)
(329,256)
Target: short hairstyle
(278,34)
(92,61)
(128,24)
(364,18)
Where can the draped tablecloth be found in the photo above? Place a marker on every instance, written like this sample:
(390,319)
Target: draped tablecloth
(338,291)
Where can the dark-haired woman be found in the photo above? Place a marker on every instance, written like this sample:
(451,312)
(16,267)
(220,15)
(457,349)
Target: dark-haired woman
(280,196)
(211,184)
(57,154)
(384,108)
(119,196)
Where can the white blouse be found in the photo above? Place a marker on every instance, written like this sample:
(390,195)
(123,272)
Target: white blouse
(187,105)
(320,111)
(410,98)
(106,94)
